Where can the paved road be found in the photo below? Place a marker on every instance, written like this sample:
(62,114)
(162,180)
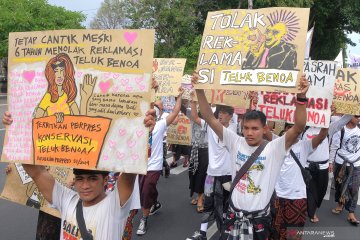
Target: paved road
(175,221)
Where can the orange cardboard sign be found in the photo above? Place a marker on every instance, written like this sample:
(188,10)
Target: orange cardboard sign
(75,142)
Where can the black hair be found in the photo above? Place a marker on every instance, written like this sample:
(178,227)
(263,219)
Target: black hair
(254,115)
(78,171)
(227,109)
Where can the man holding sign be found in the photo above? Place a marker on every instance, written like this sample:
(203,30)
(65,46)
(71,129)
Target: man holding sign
(249,202)
(89,213)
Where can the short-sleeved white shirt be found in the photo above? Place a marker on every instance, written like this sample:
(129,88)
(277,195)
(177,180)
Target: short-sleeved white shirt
(254,190)
(106,220)
(290,184)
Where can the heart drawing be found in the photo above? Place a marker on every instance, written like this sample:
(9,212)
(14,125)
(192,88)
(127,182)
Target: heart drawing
(139,132)
(131,143)
(130,37)
(122,132)
(104,86)
(28,75)
(120,155)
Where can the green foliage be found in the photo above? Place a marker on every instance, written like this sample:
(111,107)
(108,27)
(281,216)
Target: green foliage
(179,24)
(111,15)
(191,53)
(333,20)
(33,15)
(174,21)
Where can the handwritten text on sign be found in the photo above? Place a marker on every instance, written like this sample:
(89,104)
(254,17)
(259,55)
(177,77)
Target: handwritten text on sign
(244,49)
(347,91)
(281,106)
(233,98)
(75,142)
(168,73)
(181,132)
(100,73)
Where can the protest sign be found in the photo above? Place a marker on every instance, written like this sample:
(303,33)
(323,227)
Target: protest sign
(281,106)
(180,133)
(77,141)
(244,49)
(20,188)
(168,103)
(168,73)
(347,91)
(234,98)
(70,74)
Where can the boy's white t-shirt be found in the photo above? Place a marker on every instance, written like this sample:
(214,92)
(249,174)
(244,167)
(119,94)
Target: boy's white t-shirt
(350,147)
(254,190)
(290,184)
(106,220)
(155,162)
(219,156)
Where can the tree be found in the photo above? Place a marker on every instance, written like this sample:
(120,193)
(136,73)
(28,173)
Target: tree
(333,20)
(175,22)
(111,15)
(33,15)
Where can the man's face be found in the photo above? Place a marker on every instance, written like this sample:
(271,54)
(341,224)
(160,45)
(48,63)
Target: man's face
(253,131)
(356,119)
(224,118)
(274,34)
(90,188)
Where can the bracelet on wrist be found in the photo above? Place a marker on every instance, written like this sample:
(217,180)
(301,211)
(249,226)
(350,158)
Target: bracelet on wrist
(299,99)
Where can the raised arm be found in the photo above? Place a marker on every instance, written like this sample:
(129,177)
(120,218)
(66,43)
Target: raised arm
(43,180)
(316,141)
(171,117)
(206,111)
(338,125)
(300,114)
(125,186)
(194,115)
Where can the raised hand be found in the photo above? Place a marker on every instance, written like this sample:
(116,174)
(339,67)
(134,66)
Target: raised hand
(303,87)
(87,88)
(155,65)
(154,84)
(181,91)
(7,119)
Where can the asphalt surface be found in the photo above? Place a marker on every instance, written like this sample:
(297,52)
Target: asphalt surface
(176,220)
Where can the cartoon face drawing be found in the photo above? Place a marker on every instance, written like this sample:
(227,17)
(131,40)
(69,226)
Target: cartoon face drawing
(274,34)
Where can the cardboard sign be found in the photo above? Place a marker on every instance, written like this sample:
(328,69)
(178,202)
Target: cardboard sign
(281,106)
(21,189)
(234,98)
(77,141)
(180,133)
(245,49)
(347,91)
(168,73)
(94,73)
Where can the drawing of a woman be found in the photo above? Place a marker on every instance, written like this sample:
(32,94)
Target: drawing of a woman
(59,100)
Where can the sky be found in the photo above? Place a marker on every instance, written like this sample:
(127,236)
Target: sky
(88,7)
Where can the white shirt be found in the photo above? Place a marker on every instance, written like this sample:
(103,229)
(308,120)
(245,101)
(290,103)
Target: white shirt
(350,148)
(106,220)
(322,151)
(155,162)
(290,184)
(254,190)
(219,156)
